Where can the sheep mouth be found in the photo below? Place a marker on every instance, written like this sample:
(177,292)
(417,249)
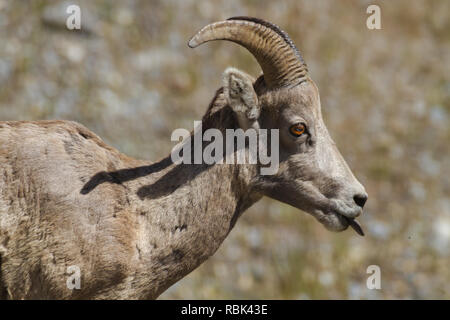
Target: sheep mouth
(347,217)
(352,222)
(355,225)
(330,213)
(336,221)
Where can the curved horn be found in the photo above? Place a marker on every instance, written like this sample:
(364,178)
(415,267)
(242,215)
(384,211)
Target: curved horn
(275,52)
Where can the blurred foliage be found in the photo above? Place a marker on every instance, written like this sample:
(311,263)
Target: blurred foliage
(385,96)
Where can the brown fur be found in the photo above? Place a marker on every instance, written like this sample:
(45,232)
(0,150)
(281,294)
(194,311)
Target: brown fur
(133,227)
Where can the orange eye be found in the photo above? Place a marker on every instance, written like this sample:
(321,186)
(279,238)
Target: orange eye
(297,129)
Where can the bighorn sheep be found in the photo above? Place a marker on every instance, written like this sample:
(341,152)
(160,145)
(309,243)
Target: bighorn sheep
(133,227)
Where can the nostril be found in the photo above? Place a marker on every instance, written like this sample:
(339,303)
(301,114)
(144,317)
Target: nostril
(360,199)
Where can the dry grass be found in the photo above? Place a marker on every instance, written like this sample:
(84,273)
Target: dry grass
(385,97)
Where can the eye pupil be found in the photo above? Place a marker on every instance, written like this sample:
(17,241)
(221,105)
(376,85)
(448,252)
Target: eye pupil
(297,129)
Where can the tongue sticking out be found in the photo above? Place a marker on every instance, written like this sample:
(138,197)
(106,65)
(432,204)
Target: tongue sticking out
(356,226)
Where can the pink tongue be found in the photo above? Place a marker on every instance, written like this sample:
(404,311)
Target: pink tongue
(356,226)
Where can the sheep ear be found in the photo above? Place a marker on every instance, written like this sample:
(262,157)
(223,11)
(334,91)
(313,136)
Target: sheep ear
(242,98)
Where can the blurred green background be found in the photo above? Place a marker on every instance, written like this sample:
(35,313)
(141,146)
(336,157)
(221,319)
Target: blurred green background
(130,77)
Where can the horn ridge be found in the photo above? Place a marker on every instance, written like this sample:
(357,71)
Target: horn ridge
(283,34)
(280,60)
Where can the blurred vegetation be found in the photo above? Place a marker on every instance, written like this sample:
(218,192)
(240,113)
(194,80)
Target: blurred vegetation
(131,78)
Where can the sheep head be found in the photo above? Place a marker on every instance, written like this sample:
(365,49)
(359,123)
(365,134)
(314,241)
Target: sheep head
(312,175)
